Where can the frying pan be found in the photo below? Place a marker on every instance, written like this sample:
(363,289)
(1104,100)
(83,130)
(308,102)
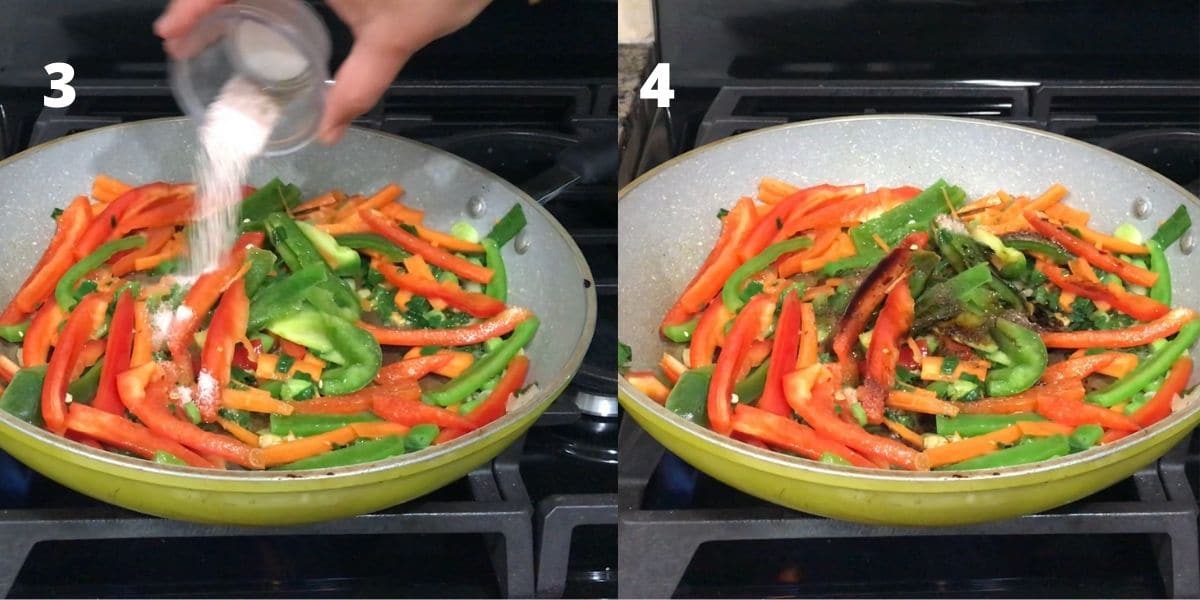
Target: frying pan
(550,277)
(667,224)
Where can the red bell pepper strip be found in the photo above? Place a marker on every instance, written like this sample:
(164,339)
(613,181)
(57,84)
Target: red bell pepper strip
(43,330)
(119,432)
(783,357)
(1137,335)
(117,351)
(407,408)
(432,254)
(716,270)
(1160,405)
(791,207)
(12,313)
(40,284)
(747,326)
(413,368)
(852,208)
(783,433)
(496,404)
(1095,257)
(1077,368)
(144,393)
(707,335)
(200,299)
(868,296)
(1137,306)
(102,227)
(817,411)
(498,325)
(1066,409)
(84,320)
(167,214)
(227,327)
(891,328)
(474,304)
(156,238)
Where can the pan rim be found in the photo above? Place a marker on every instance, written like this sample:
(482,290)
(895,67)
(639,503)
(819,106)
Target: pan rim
(431,457)
(1093,456)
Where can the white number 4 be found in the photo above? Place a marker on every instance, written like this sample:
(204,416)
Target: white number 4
(658,86)
(67,95)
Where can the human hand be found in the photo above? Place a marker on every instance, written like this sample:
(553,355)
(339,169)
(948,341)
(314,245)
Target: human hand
(386,34)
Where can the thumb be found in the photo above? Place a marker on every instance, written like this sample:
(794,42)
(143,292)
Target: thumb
(361,80)
(181,15)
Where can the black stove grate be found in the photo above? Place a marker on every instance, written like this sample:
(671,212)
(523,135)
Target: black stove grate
(670,540)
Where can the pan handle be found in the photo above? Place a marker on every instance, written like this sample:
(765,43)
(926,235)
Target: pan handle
(593,160)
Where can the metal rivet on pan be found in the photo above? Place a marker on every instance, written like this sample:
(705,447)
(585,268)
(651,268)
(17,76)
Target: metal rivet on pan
(476,206)
(1141,208)
(521,244)
(1188,243)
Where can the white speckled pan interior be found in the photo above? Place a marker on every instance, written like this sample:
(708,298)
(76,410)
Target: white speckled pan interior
(668,223)
(551,278)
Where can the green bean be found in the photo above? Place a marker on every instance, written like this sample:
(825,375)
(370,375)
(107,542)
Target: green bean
(973,425)
(1161,290)
(457,389)
(1085,436)
(1155,366)
(681,333)
(498,286)
(304,425)
(1030,451)
(354,454)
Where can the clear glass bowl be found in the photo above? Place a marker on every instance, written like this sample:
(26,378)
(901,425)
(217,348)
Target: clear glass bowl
(281,45)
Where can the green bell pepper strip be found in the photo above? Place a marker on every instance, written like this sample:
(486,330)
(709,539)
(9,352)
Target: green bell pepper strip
(681,333)
(1161,290)
(64,292)
(914,215)
(261,262)
(163,457)
(1173,228)
(283,297)
(346,260)
(354,454)
(830,458)
(1021,454)
(355,351)
(498,286)
(274,197)
(1051,251)
(853,263)
(973,425)
(750,389)
(304,425)
(1009,261)
(492,363)
(923,262)
(1084,437)
(298,252)
(84,388)
(1028,354)
(508,226)
(731,294)
(374,243)
(420,437)
(960,251)
(1155,366)
(23,396)
(689,397)
(14,333)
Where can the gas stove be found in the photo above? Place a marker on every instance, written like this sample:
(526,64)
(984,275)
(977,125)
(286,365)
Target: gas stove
(539,519)
(685,534)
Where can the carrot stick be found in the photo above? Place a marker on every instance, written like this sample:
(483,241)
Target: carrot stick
(241,433)
(807,354)
(1049,197)
(1043,428)
(1005,405)
(143,345)
(333,405)
(1113,244)
(417,266)
(971,447)
(1137,335)
(106,189)
(254,401)
(1077,368)
(306,447)
(146,263)
(906,434)
(346,227)
(403,214)
(8,368)
(323,200)
(447,241)
(375,429)
(413,368)
(771,190)
(922,403)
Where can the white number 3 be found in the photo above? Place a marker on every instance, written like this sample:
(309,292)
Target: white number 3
(658,86)
(67,95)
